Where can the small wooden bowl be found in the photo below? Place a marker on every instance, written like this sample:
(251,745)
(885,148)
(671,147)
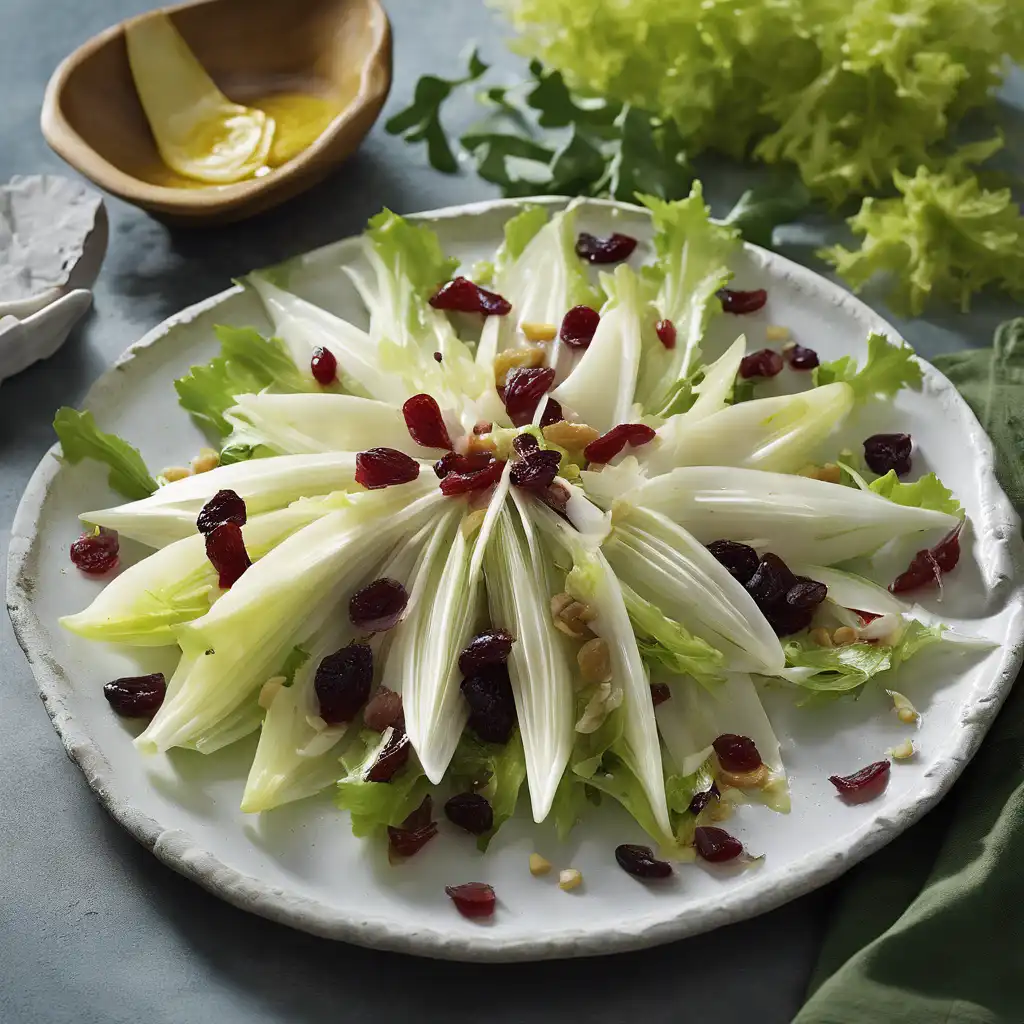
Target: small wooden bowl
(92,116)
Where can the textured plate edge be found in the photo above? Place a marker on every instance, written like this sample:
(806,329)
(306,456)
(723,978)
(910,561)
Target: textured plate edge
(179,851)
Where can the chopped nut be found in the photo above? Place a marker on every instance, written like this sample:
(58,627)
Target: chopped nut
(270,689)
(571,616)
(830,473)
(602,702)
(905,711)
(206,460)
(844,635)
(505,361)
(539,865)
(172,473)
(906,716)
(571,436)
(904,751)
(538,332)
(756,779)
(821,637)
(774,332)
(569,878)
(595,661)
(476,443)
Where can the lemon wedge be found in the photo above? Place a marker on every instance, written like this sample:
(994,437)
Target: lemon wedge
(199,132)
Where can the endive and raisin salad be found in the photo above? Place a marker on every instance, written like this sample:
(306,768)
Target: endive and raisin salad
(519,541)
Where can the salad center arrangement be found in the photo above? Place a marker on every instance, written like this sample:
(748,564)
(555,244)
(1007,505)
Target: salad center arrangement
(519,538)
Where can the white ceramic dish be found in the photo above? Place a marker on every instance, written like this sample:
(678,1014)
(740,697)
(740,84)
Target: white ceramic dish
(300,864)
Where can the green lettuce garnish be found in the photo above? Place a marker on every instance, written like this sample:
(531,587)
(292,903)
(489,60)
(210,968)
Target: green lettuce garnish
(889,368)
(928,492)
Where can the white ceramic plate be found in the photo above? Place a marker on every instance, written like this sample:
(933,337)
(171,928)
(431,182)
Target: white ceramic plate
(300,864)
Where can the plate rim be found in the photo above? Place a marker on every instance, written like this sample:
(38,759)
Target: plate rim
(179,851)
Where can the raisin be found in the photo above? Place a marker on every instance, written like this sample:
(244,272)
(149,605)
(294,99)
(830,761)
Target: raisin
(422,816)
(463,296)
(613,249)
(96,553)
(786,620)
(715,844)
(225,548)
(136,696)
(800,358)
(405,842)
(392,759)
(224,507)
(740,559)
(463,482)
(578,326)
(883,452)
(524,388)
(552,413)
(384,710)
(453,462)
(472,899)
(742,302)
(660,693)
(765,363)
(806,594)
(492,707)
(640,862)
(491,647)
(771,581)
(470,811)
(425,423)
(437,357)
(607,446)
(382,467)
(323,366)
(378,606)
(666,332)
(868,781)
(343,681)
(524,444)
(703,798)
(537,471)
(737,753)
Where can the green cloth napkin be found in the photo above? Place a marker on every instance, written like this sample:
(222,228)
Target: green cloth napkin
(931,929)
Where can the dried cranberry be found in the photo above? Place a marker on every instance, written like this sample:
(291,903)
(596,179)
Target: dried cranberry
(737,753)
(715,844)
(742,302)
(470,811)
(136,696)
(472,899)
(425,423)
(552,413)
(666,332)
(867,782)
(640,862)
(437,357)
(578,326)
(524,444)
(660,692)
(491,647)
(928,565)
(800,358)
(96,553)
(405,842)
(703,798)
(607,446)
(225,548)
(771,581)
(323,366)
(883,452)
(806,594)
(537,471)
(525,386)
(378,606)
(453,462)
(458,482)
(392,759)
(492,707)
(382,467)
(613,249)
(867,617)
(423,815)
(740,559)
(224,507)
(384,710)
(766,363)
(463,296)
(343,681)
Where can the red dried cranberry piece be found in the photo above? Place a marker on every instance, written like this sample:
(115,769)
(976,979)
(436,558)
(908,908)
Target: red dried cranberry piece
(806,594)
(607,446)
(771,581)
(136,696)
(224,507)
(437,357)
(867,782)
(525,386)
(378,606)
(96,553)
(458,482)
(883,452)
(703,798)
(613,249)
(342,682)
(491,647)
(463,296)
(392,759)
(715,844)
(740,559)
(766,363)
(472,899)
(470,811)
(742,302)
(425,422)
(384,710)
(382,467)
(552,413)
(323,366)
(537,471)
(405,842)
(225,548)
(666,332)
(660,693)
(578,326)
(928,565)
(524,444)
(866,616)
(737,753)
(640,862)
(453,462)
(800,358)
(422,816)
(492,707)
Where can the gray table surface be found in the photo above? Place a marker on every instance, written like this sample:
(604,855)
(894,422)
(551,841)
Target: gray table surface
(95,929)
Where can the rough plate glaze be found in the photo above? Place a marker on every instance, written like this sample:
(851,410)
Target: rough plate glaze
(300,865)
